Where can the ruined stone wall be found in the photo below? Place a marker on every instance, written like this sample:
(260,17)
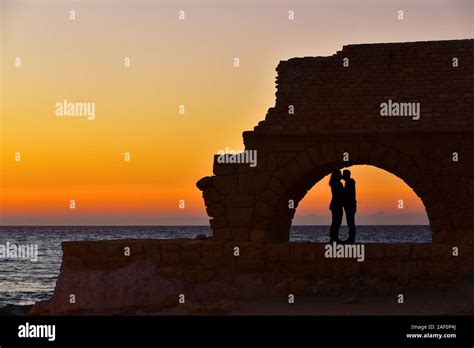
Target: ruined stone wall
(252,203)
(326,95)
(104,280)
(337,114)
(336,111)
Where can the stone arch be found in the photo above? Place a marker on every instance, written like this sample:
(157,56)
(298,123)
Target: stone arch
(252,204)
(300,174)
(337,110)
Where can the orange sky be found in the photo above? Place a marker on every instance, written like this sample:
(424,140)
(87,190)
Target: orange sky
(173,62)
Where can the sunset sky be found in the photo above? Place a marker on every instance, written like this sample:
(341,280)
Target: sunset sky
(173,62)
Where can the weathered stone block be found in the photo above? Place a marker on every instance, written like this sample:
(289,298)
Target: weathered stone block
(213,249)
(252,251)
(276,186)
(239,200)
(414,176)
(421,251)
(96,261)
(321,270)
(374,251)
(170,271)
(119,261)
(296,172)
(304,162)
(364,151)
(404,165)
(171,247)
(222,234)
(189,275)
(414,269)
(329,153)
(211,196)
(116,248)
(240,217)
(271,252)
(309,252)
(226,184)
(284,252)
(205,275)
(170,259)
(269,197)
(299,286)
(316,154)
(299,269)
(152,247)
(215,210)
(204,183)
(74,248)
(253,182)
(398,251)
(223,168)
(156,258)
(97,247)
(218,222)
(73,263)
(250,266)
(441,252)
(378,154)
(219,262)
(265,210)
(192,245)
(257,235)
(297,251)
(189,257)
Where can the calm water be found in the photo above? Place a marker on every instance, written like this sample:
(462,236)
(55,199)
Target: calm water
(25,282)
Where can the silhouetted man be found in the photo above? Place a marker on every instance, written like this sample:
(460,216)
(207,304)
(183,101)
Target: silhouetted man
(336,205)
(350,204)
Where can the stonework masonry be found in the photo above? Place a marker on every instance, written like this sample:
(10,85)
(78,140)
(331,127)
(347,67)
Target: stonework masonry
(104,280)
(337,113)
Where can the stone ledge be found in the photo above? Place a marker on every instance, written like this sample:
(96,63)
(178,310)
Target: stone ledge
(104,280)
(185,252)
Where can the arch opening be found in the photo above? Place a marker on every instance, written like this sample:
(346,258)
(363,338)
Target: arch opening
(388,210)
(310,166)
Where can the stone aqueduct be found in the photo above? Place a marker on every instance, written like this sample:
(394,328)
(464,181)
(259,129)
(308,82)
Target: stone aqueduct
(336,111)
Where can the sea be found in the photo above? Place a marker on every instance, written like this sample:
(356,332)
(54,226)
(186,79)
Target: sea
(26,281)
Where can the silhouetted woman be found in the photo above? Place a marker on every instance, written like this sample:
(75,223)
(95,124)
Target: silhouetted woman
(336,206)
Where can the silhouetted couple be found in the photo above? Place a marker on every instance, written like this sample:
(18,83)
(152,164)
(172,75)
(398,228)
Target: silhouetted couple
(343,198)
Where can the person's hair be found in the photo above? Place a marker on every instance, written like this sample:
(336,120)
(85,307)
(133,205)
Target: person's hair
(346,173)
(335,177)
